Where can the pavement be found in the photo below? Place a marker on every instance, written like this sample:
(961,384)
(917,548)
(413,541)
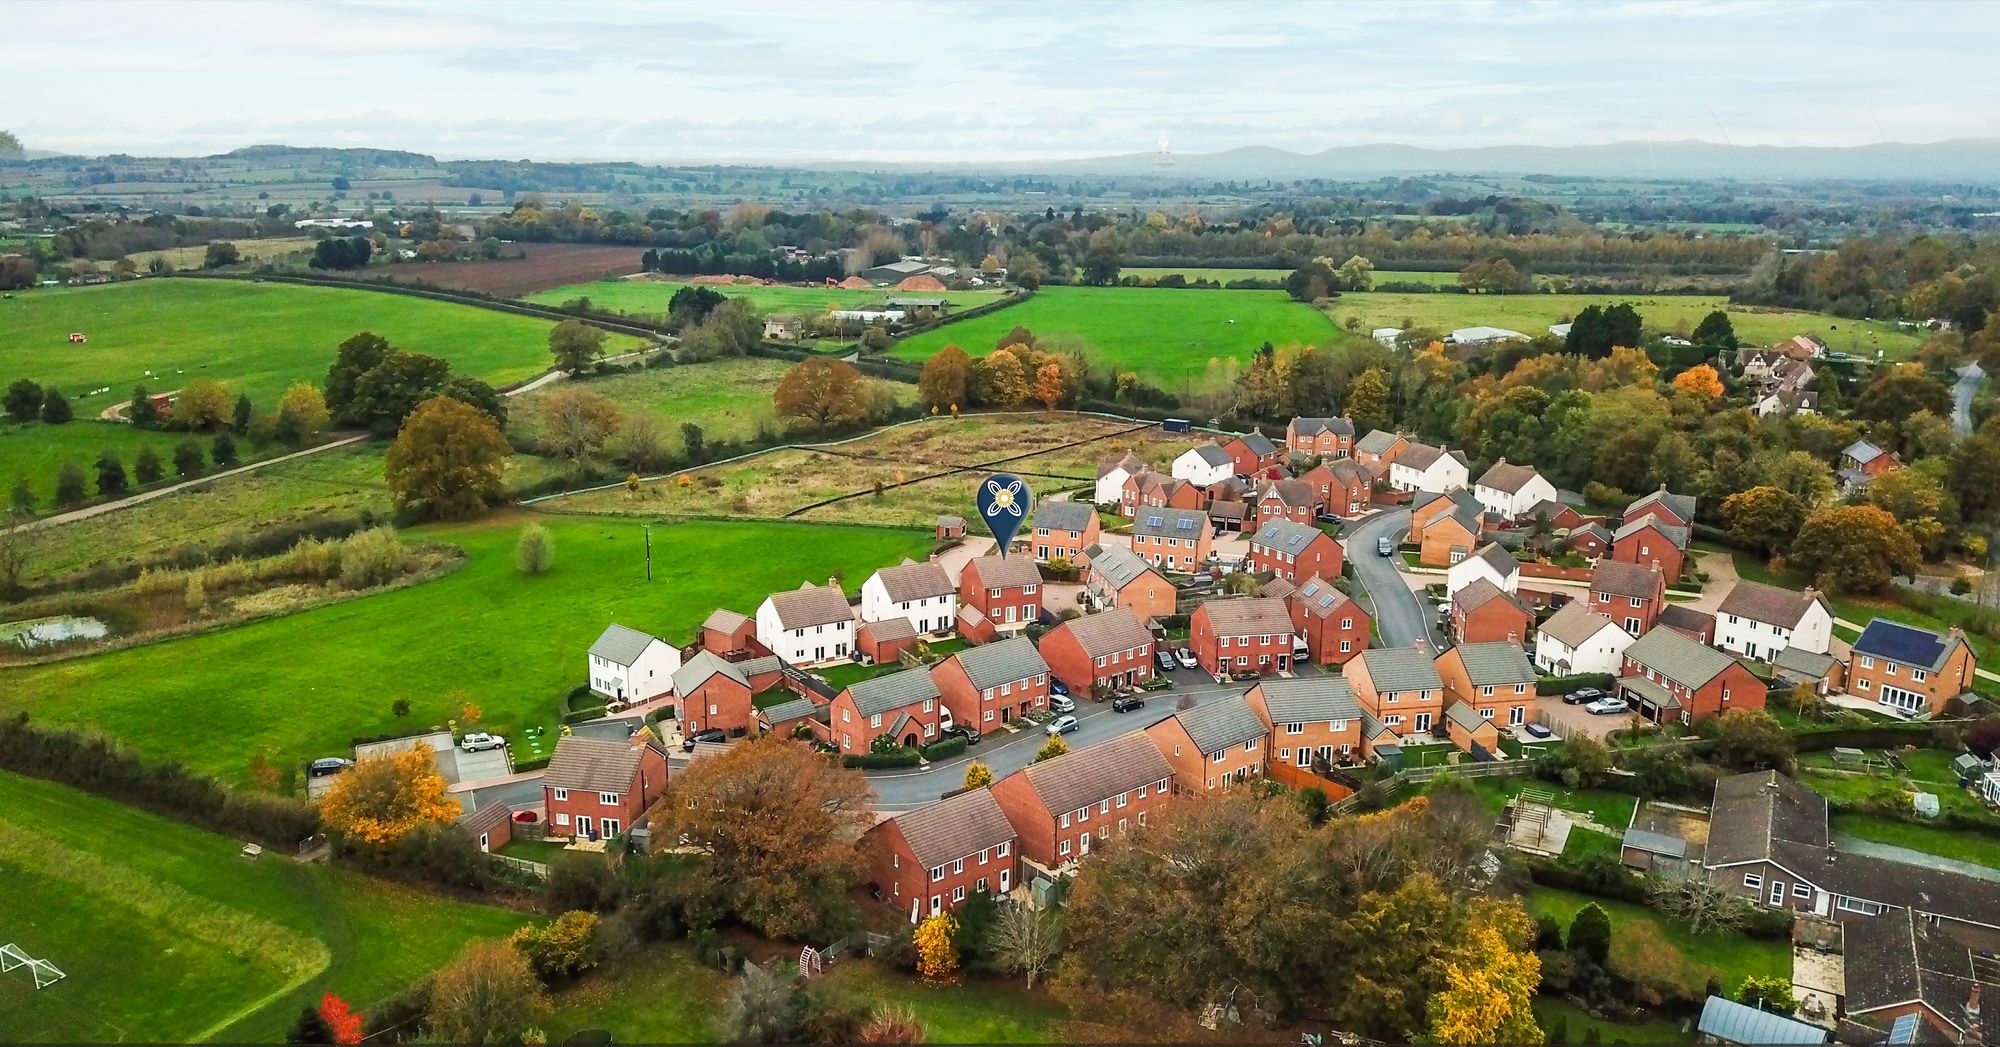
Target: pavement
(1401,616)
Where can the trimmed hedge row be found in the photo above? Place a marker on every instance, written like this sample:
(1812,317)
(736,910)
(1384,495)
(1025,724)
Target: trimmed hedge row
(1607,877)
(1566,684)
(944,748)
(881,761)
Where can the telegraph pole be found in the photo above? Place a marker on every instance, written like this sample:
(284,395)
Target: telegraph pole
(648,526)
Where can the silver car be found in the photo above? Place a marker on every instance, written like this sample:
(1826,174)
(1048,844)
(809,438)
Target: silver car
(1063,725)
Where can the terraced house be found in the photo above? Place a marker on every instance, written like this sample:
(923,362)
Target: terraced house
(1214,745)
(1313,720)
(808,625)
(1063,530)
(1295,551)
(993,684)
(1908,670)
(1251,635)
(920,593)
(1109,651)
(902,706)
(1063,807)
(1171,539)
(934,858)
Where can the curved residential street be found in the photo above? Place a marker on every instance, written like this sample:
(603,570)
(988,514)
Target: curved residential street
(1400,615)
(1969,378)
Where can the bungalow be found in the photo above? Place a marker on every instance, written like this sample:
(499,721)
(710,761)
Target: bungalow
(1422,467)
(1399,687)
(712,694)
(1252,454)
(1204,465)
(902,706)
(1666,676)
(994,684)
(1482,612)
(1334,626)
(629,666)
(1293,500)
(1577,640)
(1490,562)
(1063,530)
(1760,621)
(1006,590)
(883,642)
(1327,438)
(1213,745)
(1313,721)
(1651,542)
(1294,551)
(1175,539)
(930,860)
(1109,651)
(1869,460)
(1495,679)
(1907,670)
(1511,491)
(1673,509)
(807,625)
(1119,578)
(921,593)
(599,788)
(1378,449)
(1628,594)
(1912,980)
(1252,635)
(1061,807)
(1112,474)
(1344,488)
(725,633)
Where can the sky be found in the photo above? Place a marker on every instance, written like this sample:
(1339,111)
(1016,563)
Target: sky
(987,82)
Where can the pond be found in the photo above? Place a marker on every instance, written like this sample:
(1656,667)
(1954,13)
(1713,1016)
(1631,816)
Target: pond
(37,633)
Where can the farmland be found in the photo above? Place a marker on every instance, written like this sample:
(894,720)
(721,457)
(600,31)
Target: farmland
(1166,336)
(248,250)
(542,266)
(513,644)
(166,935)
(258,338)
(1224,276)
(34,451)
(650,297)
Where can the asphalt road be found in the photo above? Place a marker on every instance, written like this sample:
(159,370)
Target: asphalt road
(1969,378)
(1400,615)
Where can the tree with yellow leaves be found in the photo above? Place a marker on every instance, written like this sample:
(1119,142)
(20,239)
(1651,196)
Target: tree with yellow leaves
(978,775)
(384,798)
(1700,379)
(1055,747)
(1001,379)
(937,954)
(1049,385)
(1490,983)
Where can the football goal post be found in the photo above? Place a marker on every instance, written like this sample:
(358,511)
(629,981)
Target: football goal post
(44,972)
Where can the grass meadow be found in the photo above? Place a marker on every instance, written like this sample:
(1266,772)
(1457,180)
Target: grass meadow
(1223,276)
(650,297)
(1726,956)
(167,935)
(34,451)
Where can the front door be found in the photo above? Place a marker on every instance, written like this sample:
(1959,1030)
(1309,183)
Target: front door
(1777,893)
(1084,846)
(1004,887)
(1283,662)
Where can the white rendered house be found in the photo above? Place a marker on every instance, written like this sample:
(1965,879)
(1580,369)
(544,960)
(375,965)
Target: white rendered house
(1761,621)
(1490,562)
(807,625)
(1204,465)
(1577,640)
(920,592)
(629,666)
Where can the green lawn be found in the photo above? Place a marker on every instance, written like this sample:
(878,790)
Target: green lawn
(1613,810)
(1958,844)
(841,677)
(1224,276)
(34,451)
(1531,314)
(1577,1022)
(973,1010)
(259,338)
(305,685)
(658,995)
(650,297)
(1167,336)
(167,935)
(1729,957)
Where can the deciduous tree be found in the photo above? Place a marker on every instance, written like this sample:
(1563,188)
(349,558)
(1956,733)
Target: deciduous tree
(142,411)
(1368,400)
(489,995)
(1700,379)
(355,357)
(565,948)
(385,394)
(978,775)
(535,551)
(343,1023)
(1052,748)
(577,423)
(1918,501)
(147,467)
(386,797)
(24,400)
(946,379)
(820,394)
(70,484)
(575,345)
(1028,940)
(1693,899)
(110,475)
(1853,548)
(1489,990)
(642,441)
(449,457)
(1767,994)
(1764,518)
(201,405)
(55,406)
(302,413)
(937,953)
(1752,740)
(1001,379)
(1900,392)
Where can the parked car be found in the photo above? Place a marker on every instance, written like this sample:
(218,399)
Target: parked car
(480,742)
(1063,725)
(329,765)
(1127,703)
(1186,658)
(1166,660)
(1607,707)
(1444,613)
(1062,703)
(1385,546)
(1058,687)
(1582,696)
(713,734)
(970,734)
(1536,730)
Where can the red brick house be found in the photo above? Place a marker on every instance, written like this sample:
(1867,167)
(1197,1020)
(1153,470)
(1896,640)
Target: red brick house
(1119,578)
(598,788)
(1562,516)
(1172,539)
(1253,454)
(1650,542)
(1628,594)
(950,528)
(1216,744)
(1495,680)
(995,684)
(1007,591)
(1400,688)
(1908,670)
(1482,612)
(1666,676)
(932,859)
(1869,460)
(1061,808)
(1112,650)
(1590,541)
(1160,491)
(1335,627)
(712,694)
(1378,449)
(1252,635)
(1344,487)
(1295,551)
(1294,500)
(726,633)
(881,643)
(904,706)
(1674,510)
(1695,625)
(1062,530)
(1329,438)
(1311,718)
(974,627)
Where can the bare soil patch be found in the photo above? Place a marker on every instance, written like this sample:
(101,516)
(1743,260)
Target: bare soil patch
(545,266)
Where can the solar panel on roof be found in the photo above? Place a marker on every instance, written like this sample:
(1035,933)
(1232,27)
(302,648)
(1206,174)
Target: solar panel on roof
(1904,1029)
(1296,541)
(1312,590)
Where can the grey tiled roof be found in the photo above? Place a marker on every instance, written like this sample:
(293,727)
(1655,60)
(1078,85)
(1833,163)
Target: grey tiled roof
(1862,452)
(1419,456)
(1099,772)
(699,668)
(951,829)
(600,765)
(1507,476)
(1479,592)
(1316,426)
(894,627)
(993,664)
(1221,724)
(1064,516)
(1378,441)
(1109,633)
(1160,522)
(1752,811)
(893,691)
(1319,598)
(1676,535)
(722,619)
(1681,505)
(1466,716)
(1286,536)
(1800,662)
(1309,699)
(908,581)
(1685,661)
(621,646)
(1213,454)
(1259,444)
(1495,664)
(1256,615)
(1574,624)
(1498,559)
(1119,565)
(786,712)
(811,605)
(1400,669)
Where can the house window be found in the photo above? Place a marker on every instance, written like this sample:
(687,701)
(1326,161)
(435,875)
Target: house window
(1063,822)
(1867,662)
(607,799)
(875,720)
(1486,714)
(562,794)
(1000,851)
(958,867)
(1486,692)
(1918,675)
(1122,801)
(1860,905)
(1800,890)
(937,873)
(1161,788)
(1064,849)
(1752,881)
(1104,806)
(1295,728)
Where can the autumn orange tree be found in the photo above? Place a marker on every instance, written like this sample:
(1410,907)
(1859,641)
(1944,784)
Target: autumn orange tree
(778,823)
(937,953)
(387,797)
(1700,379)
(1002,379)
(448,457)
(946,379)
(822,393)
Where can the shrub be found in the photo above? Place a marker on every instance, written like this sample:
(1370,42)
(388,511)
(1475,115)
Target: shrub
(373,557)
(562,950)
(582,882)
(1552,685)
(879,761)
(535,551)
(947,747)
(1590,933)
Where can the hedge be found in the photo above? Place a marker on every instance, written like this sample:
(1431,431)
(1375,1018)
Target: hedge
(878,761)
(943,748)
(1566,684)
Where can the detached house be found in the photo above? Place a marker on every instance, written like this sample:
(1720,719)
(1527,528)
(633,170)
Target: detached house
(994,684)
(1863,461)
(1295,551)
(1577,640)
(1111,476)
(1213,745)
(598,788)
(1313,720)
(1343,487)
(1204,465)
(1675,510)
(1252,454)
(1173,539)
(629,667)
(932,859)
(1329,438)
(1482,612)
(1334,626)
(1063,530)
(903,706)
(1666,676)
(1293,500)
(1400,689)
(1006,591)
(1907,670)
(1762,621)
(1422,467)
(1490,562)
(1628,594)
(710,693)
(1118,578)
(1511,491)
(1651,542)
(1251,635)
(1446,528)
(1112,651)
(920,593)
(1495,680)
(1063,807)
(1377,449)
(807,625)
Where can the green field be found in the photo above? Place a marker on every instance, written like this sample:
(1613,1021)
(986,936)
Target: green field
(34,451)
(650,297)
(248,250)
(305,685)
(1224,276)
(167,935)
(1728,957)
(259,338)
(1167,336)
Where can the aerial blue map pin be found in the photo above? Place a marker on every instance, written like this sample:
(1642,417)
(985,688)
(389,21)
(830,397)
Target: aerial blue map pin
(1003,503)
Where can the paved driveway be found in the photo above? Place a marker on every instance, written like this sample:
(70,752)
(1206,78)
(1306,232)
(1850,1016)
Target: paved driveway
(1574,718)
(1400,615)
